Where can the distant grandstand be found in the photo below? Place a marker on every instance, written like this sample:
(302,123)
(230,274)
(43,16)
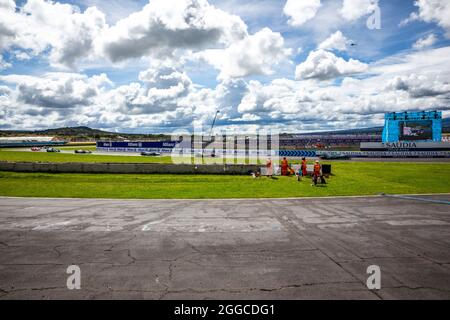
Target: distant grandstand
(318,141)
(17,142)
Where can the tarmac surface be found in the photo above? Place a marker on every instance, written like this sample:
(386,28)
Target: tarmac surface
(226,249)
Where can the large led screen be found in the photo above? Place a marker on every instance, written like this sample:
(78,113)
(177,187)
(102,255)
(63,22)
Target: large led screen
(416,130)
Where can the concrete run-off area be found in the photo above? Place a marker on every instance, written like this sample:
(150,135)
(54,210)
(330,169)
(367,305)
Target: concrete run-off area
(225,249)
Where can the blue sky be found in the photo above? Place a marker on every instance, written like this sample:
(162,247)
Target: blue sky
(160,66)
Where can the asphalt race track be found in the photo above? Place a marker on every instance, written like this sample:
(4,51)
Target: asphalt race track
(230,249)
(113,153)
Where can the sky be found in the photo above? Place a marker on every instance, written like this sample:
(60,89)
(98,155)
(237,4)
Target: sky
(165,66)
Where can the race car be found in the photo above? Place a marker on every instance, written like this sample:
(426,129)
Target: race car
(35,149)
(333,156)
(82,151)
(53,150)
(150,154)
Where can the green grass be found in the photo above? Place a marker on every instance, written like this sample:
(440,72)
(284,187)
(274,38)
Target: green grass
(348,179)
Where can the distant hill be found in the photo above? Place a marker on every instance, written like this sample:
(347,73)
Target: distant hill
(86,133)
(58,131)
(81,133)
(73,131)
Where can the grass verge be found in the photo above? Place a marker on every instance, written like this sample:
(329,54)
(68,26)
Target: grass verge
(348,179)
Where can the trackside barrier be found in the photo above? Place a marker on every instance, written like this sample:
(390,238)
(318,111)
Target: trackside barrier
(297,153)
(147,168)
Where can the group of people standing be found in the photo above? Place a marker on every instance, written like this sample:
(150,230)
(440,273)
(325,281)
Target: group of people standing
(287,170)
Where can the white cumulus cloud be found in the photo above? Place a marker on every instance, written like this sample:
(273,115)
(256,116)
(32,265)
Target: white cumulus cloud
(158,29)
(436,11)
(300,12)
(419,86)
(325,65)
(354,9)
(162,26)
(336,41)
(160,91)
(57,90)
(7,23)
(425,42)
(40,25)
(253,55)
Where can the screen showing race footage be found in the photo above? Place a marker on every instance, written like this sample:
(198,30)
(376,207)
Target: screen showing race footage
(416,130)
